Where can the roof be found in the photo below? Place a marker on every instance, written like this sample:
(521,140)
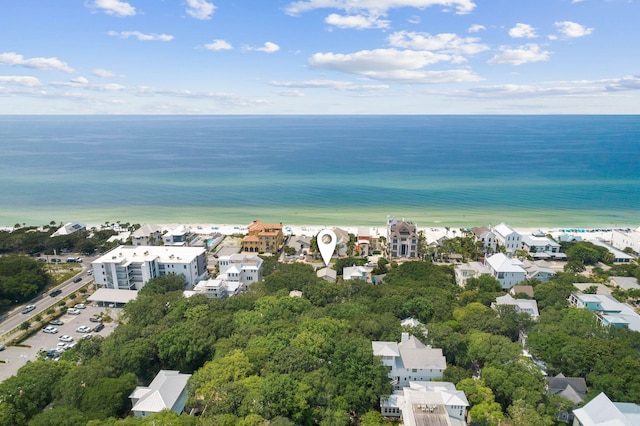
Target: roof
(625,283)
(111,295)
(501,263)
(572,388)
(385,349)
(146,230)
(69,228)
(163,392)
(524,289)
(530,306)
(600,288)
(327,272)
(164,254)
(414,354)
(600,411)
(503,230)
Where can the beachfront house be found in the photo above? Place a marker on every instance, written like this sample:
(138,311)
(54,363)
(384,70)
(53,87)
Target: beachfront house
(131,267)
(402,239)
(505,269)
(487,237)
(427,403)
(69,228)
(618,255)
(147,235)
(263,238)
(167,391)
(178,236)
(627,239)
(508,238)
(410,360)
(541,247)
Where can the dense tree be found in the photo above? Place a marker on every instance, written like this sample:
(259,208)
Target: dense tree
(21,278)
(165,284)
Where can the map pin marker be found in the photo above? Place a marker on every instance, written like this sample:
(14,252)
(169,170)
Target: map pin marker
(326,240)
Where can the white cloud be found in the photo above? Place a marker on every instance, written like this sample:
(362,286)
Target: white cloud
(99,72)
(376,7)
(572,30)
(630,83)
(290,93)
(268,47)
(200,9)
(141,36)
(343,86)
(113,7)
(520,55)
(476,28)
(20,80)
(523,31)
(50,64)
(392,65)
(218,45)
(358,22)
(446,42)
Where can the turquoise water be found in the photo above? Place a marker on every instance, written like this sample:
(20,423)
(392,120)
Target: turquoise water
(449,170)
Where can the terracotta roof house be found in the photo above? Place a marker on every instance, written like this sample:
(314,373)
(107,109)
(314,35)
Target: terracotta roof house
(263,238)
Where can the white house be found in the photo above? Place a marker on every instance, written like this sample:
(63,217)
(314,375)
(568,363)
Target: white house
(215,288)
(506,270)
(427,403)
(131,267)
(240,267)
(538,270)
(147,235)
(410,360)
(487,237)
(168,390)
(542,247)
(621,240)
(178,236)
(69,228)
(508,237)
(618,255)
(601,411)
(354,273)
(528,306)
(470,270)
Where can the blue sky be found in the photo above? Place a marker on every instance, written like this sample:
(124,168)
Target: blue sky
(319,57)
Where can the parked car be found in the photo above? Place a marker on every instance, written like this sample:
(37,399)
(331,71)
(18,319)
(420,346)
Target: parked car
(50,329)
(90,272)
(95,318)
(80,306)
(55,292)
(55,260)
(74,311)
(87,336)
(65,338)
(28,309)
(98,327)
(56,322)
(83,329)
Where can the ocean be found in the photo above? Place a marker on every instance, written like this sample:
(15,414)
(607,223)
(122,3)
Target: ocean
(529,171)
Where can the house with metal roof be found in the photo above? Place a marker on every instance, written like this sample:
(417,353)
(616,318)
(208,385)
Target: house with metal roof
(601,411)
(168,390)
(354,273)
(625,283)
(427,403)
(410,360)
(508,237)
(507,270)
(528,306)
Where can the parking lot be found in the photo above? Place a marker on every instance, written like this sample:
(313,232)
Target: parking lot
(15,357)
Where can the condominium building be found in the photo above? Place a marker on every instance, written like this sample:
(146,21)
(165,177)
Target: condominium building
(131,267)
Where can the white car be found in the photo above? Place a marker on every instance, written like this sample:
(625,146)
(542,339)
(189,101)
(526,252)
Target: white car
(87,336)
(83,329)
(74,311)
(65,338)
(50,329)
(80,306)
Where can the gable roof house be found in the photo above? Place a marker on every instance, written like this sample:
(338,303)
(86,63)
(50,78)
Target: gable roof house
(402,239)
(470,270)
(508,237)
(427,403)
(538,270)
(354,273)
(506,270)
(327,274)
(410,360)
(607,309)
(487,237)
(168,390)
(625,283)
(528,306)
(601,411)
(147,235)
(69,228)
(572,388)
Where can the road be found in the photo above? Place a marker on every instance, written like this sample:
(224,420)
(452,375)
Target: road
(16,317)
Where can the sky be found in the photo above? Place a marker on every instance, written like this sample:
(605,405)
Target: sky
(319,57)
